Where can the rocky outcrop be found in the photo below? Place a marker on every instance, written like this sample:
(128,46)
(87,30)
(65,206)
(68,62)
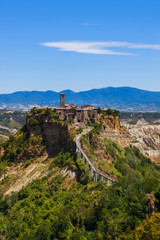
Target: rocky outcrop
(147,139)
(121,137)
(55,133)
(110,121)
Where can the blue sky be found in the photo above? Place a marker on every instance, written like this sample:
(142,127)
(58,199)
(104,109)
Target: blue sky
(79,44)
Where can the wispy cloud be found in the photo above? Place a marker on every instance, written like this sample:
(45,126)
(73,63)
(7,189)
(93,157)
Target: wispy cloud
(99,47)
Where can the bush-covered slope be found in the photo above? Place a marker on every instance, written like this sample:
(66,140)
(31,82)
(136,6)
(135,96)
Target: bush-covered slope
(56,208)
(12,119)
(66,204)
(10,122)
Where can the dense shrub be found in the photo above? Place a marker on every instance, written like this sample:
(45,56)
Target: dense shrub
(60,160)
(50,209)
(14,146)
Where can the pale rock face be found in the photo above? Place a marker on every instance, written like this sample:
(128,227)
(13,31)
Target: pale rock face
(146,138)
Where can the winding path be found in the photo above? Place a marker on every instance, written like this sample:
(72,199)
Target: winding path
(88,165)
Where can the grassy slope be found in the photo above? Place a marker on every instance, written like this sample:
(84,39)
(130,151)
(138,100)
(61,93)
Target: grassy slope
(10,120)
(150,117)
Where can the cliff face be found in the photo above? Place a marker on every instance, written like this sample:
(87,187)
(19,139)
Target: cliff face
(28,154)
(110,121)
(56,135)
(146,138)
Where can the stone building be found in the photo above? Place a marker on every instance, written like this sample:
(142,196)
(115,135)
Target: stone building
(74,113)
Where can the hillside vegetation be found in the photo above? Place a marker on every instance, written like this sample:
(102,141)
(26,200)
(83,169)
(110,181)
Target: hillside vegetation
(63,203)
(56,208)
(133,117)
(10,122)
(12,119)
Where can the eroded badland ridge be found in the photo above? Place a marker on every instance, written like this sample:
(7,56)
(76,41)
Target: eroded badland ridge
(144,130)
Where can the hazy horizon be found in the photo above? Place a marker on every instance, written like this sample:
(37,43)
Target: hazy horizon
(34,90)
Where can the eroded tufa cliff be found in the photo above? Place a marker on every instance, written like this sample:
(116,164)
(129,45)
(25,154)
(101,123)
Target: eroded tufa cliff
(27,155)
(56,134)
(110,121)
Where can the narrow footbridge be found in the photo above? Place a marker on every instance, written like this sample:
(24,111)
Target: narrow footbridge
(89,167)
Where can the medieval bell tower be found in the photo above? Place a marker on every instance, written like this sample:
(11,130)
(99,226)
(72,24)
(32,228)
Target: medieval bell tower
(62,100)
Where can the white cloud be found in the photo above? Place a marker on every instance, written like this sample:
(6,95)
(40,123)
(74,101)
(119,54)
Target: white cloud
(99,47)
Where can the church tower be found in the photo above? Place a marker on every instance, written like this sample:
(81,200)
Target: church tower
(62,100)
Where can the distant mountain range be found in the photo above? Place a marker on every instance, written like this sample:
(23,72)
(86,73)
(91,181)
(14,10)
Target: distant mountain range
(122,98)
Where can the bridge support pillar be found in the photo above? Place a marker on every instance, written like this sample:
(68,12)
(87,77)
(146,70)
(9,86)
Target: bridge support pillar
(90,171)
(107,182)
(78,154)
(81,160)
(86,165)
(99,178)
(95,177)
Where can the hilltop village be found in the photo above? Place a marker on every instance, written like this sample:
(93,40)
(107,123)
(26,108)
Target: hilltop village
(75,114)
